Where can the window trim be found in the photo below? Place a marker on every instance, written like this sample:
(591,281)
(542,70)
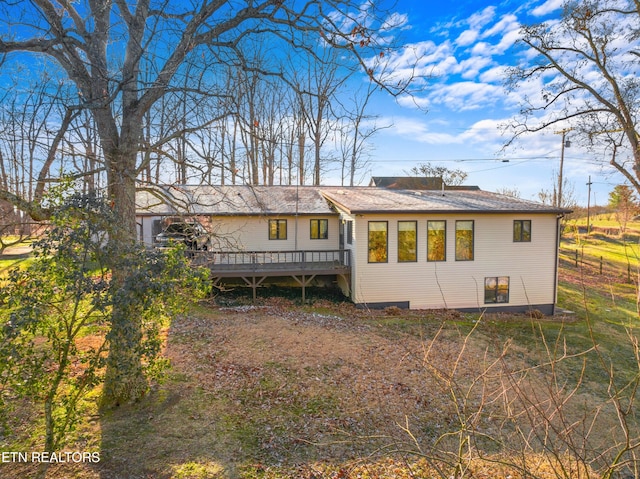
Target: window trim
(473,241)
(415,253)
(319,230)
(445,241)
(278,223)
(386,231)
(496,289)
(520,238)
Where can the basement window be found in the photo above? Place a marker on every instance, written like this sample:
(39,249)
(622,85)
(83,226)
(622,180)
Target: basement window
(496,289)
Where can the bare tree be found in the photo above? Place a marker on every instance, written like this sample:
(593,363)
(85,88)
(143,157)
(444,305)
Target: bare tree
(357,128)
(449,176)
(122,59)
(550,197)
(588,65)
(317,86)
(34,121)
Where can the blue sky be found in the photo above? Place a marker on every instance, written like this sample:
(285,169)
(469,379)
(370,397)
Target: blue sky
(464,47)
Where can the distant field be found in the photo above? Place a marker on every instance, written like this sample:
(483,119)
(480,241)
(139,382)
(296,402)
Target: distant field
(603,223)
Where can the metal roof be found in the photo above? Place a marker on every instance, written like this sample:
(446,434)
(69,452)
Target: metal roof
(360,200)
(232,200)
(315,200)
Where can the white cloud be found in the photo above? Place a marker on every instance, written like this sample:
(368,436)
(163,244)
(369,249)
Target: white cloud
(414,101)
(482,48)
(417,130)
(471,67)
(418,61)
(494,75)
(547,7)
(507,23)
(466,96)
(482,18)
(467,37)
(394,21)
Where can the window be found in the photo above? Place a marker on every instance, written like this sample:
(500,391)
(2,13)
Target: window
(349,232)
(319,229)
(464,240)
(522,231)
(407,241)
(436,240)
(496,289)
(377,241)
(277,229)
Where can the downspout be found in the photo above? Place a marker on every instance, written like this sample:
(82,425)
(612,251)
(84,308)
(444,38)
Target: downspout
(295,247)
(557,265)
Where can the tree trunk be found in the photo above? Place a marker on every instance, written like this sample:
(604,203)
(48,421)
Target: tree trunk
(125,379)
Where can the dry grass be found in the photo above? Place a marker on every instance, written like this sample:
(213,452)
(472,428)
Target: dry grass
(278,390)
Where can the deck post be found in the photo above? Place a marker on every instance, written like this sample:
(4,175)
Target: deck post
(303,281)
(254,284)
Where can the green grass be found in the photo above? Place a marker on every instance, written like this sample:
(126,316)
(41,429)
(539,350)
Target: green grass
(605,220)
(6,264)
(8,261)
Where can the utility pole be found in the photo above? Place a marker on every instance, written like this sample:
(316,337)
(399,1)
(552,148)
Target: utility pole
(566,143)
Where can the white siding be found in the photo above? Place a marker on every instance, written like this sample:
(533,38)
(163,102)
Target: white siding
(352,248)
(460,284)
(145,225)
(251,233)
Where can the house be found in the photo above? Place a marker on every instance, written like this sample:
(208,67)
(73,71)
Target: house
(259,233)
(463,249)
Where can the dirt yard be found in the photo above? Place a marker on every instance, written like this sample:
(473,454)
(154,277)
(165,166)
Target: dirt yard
(277,390)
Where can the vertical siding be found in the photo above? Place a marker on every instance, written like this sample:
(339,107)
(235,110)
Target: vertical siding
(460,284)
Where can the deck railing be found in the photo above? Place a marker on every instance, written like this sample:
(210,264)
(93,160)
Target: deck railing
(261,260)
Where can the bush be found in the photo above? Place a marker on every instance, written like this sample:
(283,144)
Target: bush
(68,293)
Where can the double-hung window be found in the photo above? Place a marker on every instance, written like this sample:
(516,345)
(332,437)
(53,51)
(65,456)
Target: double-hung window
(319,229)
(522,231)
(277,229)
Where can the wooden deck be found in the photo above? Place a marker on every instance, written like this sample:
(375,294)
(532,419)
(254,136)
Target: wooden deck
(254,267)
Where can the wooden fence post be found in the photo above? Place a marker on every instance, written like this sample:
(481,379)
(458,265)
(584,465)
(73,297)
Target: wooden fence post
(600,264)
